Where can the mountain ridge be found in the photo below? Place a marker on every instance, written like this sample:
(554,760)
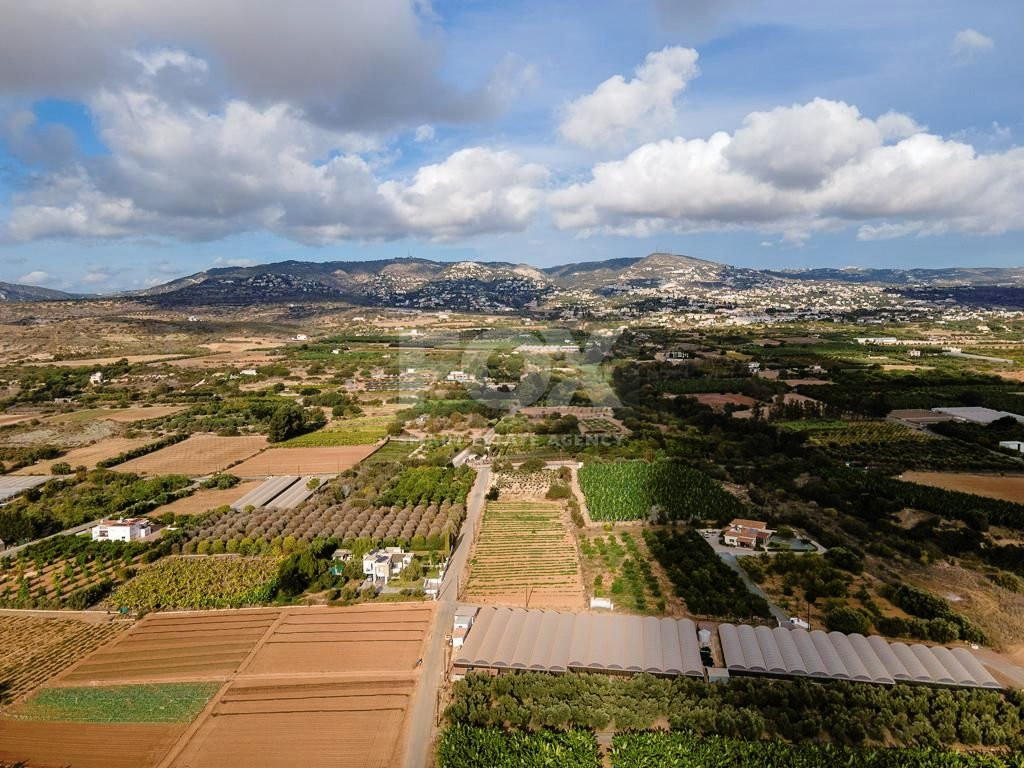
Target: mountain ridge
(12,292)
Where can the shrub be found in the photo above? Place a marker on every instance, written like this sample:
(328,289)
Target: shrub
(848,620)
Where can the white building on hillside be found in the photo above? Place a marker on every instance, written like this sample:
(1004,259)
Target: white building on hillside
(131,529)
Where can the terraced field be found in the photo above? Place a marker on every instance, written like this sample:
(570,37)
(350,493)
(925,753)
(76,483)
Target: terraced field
(34,649)
(525,556)
(178,646)
(312,686)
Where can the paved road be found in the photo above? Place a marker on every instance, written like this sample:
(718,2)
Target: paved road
(421,714)
(67,532)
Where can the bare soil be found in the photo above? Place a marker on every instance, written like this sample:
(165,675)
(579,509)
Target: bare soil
(303,461)
(199,455)
(1006,487)
(204,500)
(357,640)
(86,745)
(88,455)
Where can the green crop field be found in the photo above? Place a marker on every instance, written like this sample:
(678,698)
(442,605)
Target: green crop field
(361,430)
(463,746)
(856,432)
(524,544)
(687,750)
(200,582)
(393,450)
(151,703)
(633,490)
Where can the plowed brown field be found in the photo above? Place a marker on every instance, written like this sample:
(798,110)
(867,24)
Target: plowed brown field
(310,687)
(177,646)
(206,499)
(1006,487)
(199,455)
(85,745)
(358,639)
(88,455)
(303,461)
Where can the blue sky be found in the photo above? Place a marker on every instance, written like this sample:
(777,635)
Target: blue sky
(152,140)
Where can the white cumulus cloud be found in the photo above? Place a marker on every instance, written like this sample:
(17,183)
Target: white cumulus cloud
(35,277)
(621,111)
(968,42)
(799,170)
(189,173)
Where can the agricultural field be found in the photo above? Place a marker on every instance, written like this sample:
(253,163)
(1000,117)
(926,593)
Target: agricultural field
(87,745)
(718,401)
(88,456)
(358,430)
(33,649)
(199,455)
(206,499)
(176,646)
(229,581)
(381,638)
(868,432)
(639,750)
(1005,487)
(638,490)
(746,710)
(601,426)
(315,724)
(326,686)
(524,555)
(145,703)
(466,746)
(303,461)
(7,419)
(392,451)
(118,415)
(707,585)
(418,507)
(99,362)
(67,572)
(616,565)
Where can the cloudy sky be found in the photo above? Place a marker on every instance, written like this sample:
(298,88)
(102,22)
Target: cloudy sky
(145,139)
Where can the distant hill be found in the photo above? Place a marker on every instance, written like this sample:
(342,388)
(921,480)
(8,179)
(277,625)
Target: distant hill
(933,278)
(498,286)
(14,292)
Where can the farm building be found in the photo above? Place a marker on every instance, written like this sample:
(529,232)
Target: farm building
(283,492)
(882,341)
(753,534)
(509,639)
(785,652)
(339,560)
(464,618)
(384,564)
(978,415)
(131,529)
(13,485)
(431,587)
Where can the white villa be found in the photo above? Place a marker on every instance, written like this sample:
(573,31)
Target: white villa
(131,529)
